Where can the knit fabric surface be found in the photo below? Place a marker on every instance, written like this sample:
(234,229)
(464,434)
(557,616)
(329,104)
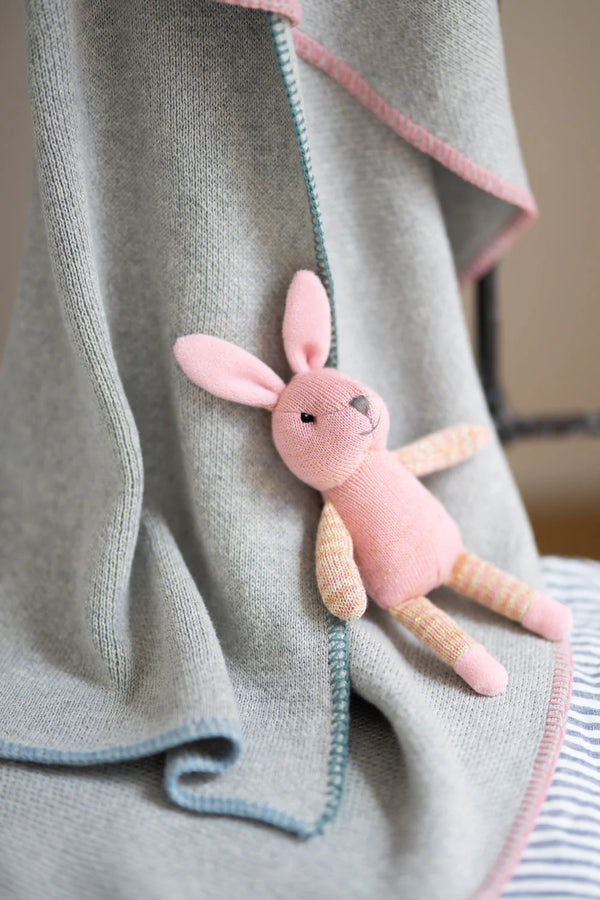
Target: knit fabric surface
(179,713)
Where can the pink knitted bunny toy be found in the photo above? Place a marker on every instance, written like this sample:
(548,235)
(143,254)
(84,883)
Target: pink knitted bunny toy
(381,532)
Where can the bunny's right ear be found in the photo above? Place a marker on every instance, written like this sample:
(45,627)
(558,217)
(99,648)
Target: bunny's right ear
(306,323)
(228,371)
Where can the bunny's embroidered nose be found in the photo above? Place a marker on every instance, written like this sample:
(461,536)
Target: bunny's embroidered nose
(361,404)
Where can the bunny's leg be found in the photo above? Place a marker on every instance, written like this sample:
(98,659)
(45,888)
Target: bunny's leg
(509,597)
(437,631)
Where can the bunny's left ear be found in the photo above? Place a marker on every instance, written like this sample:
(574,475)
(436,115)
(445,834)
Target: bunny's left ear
(306,323)
(228,371)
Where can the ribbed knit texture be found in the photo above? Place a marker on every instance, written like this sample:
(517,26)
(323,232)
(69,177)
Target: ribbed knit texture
(491,587)
(443,449)
(506,595)
(433,628)
(340,583)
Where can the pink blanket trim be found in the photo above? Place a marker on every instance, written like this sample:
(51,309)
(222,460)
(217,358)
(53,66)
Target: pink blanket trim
(543,771)
(291,9)
(459,163)
(417,135)
(494,251)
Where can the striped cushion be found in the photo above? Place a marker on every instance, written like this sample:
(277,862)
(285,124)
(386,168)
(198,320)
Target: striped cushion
(562,859)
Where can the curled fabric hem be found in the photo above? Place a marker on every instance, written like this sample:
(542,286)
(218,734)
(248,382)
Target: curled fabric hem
(190,763)
(206,729)
(314,53)
(543,771)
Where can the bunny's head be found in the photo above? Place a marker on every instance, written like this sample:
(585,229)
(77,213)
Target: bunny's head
(324,423)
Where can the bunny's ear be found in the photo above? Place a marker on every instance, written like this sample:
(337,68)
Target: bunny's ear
(228,371)
(306,323)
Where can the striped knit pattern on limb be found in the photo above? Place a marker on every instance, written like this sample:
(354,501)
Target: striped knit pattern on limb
(443,449)
(499,591)
(338,577)
(433,628)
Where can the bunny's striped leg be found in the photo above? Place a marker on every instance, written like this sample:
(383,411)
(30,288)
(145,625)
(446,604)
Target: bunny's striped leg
(437,631)
(506,595)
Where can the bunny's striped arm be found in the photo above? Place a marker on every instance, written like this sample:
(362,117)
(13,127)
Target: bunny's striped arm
(443,448)
(338,577)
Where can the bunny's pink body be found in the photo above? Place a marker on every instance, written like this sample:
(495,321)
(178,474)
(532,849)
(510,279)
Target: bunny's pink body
(405,543)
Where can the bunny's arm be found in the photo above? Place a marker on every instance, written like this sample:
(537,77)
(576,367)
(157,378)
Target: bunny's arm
(338,577)
(443,448)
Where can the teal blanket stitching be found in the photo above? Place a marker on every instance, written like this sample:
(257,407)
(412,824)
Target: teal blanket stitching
(336,630)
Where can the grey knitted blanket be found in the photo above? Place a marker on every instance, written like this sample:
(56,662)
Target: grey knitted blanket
(163,646)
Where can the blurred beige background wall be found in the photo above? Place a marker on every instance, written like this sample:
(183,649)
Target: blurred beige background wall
(550,281)
(550,314)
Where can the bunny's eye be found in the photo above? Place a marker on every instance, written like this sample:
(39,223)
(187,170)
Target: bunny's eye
(306,417)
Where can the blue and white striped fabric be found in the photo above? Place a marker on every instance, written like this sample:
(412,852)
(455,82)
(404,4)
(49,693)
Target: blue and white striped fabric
(562,858)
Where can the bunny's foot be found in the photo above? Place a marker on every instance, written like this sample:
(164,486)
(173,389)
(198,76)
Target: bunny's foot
(548,618)
(481,671)
(450,643)
(506,595)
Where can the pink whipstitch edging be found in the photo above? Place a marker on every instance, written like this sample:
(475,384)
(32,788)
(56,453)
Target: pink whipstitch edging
(490,255)
(543,770)
(291,9)
(317,55)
